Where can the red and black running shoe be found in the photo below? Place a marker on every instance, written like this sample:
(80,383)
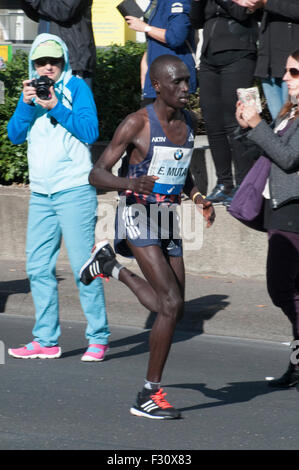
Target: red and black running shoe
(153,405)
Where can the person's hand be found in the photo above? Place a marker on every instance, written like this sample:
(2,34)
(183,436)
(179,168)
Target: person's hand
(247,115)
(250,115)
(142,185)
(207,210)
(239,115)
(252,5)
(48,104)
(135,23)
(29,92)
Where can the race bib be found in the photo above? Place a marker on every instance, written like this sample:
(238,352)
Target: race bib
(171,166)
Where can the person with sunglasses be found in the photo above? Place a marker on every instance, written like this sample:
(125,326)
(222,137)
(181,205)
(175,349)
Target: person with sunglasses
(59,128)
(281,145)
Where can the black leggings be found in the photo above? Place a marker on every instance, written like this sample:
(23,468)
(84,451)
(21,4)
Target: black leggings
(218,98)
(283,274)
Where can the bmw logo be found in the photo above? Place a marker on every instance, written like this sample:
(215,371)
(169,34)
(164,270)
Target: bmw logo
(178,154)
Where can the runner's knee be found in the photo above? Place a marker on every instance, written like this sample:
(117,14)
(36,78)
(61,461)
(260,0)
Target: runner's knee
(172,305)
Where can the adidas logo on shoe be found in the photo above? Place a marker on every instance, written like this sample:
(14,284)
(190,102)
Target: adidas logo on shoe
(153,405)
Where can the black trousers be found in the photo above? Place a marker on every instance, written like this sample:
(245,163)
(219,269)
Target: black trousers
(218,97)
(283,274)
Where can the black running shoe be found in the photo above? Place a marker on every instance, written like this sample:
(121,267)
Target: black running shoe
(153,405)
(219,194)
(100,264)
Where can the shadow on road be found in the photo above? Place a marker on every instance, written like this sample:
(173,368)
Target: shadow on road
(17,286)
(233,392)
(7,288)
(197,311)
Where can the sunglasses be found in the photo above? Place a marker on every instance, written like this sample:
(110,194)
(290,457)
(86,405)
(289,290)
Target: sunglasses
(293,72)
(48,60)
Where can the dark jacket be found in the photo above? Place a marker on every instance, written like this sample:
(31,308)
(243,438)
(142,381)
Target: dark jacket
(226,25)
(279,36)
(71,21)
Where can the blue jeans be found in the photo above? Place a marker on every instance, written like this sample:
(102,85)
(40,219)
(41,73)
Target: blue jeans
(276,94)
(71,214)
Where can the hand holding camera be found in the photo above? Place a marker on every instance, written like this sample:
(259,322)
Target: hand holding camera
(247,115)
(248,107)
(40,91)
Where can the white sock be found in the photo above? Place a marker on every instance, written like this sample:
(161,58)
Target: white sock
(151,385)
(115,271)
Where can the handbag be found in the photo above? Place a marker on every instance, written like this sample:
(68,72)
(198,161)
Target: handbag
(247,205)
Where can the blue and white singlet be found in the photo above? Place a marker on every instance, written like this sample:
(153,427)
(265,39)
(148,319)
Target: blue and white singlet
(136,219)
(164,159)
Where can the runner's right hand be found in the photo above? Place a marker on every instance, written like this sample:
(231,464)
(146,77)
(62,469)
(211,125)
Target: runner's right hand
(142,185)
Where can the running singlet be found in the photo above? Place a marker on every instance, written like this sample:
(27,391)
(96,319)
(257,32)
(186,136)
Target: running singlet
(164,159)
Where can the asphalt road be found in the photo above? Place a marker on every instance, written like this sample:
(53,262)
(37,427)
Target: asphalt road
(217,382)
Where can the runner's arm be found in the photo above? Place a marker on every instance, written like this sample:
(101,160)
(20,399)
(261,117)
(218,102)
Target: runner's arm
(205,207)
(101,176)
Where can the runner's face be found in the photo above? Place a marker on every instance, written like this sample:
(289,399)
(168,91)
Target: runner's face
(173,85)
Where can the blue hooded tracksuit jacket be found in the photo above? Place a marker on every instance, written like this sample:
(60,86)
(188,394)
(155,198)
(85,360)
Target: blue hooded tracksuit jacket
(62,203)
(174,17)
(59,157)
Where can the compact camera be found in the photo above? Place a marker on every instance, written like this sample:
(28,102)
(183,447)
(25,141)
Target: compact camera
(42,85)
(250,96)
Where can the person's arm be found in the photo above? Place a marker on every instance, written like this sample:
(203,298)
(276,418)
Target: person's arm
(284,154)
(177,26)
(23,116)
(237,12)
(136,24)
(192,191)
(143,69)
(19,123)
(288,8)
(61,11)
(205,207)
(30,11)
(101,176)
(251,4)
(81,120)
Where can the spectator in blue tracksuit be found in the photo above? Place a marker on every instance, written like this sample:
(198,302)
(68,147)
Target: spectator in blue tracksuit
(168,31)
(59,131)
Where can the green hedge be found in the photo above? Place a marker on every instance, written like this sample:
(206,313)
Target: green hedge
(13,160)
(117,85)
(116,92)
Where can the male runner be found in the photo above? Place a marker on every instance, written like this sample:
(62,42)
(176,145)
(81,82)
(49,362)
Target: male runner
(156,138)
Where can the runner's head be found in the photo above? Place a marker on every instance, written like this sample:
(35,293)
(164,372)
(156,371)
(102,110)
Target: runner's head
(170,78)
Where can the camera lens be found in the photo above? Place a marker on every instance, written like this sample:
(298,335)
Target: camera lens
(43,93)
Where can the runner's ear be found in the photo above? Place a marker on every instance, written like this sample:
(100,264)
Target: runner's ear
(156,85)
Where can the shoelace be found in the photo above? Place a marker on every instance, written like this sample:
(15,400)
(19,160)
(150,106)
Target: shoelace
(103,276)
(159,399)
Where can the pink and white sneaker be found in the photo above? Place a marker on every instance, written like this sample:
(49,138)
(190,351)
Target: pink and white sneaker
(34,350)
(95,353)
